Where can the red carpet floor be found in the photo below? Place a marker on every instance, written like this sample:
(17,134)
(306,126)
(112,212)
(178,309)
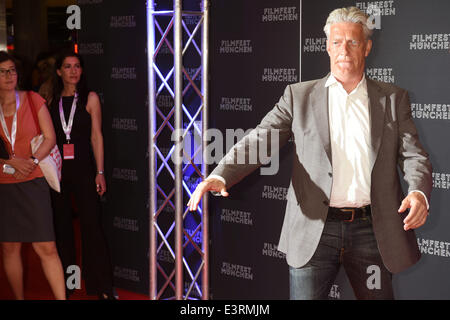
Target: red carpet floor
(36,285)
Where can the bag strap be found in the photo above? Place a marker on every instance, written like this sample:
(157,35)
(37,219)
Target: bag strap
(33,111)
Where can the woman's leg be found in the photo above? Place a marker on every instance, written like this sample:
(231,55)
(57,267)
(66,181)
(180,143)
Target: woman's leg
(63,225)
(12,262)
(97,269)
(51,264)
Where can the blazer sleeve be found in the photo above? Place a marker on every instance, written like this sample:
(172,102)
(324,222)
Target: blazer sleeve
(412,158)
(273,132)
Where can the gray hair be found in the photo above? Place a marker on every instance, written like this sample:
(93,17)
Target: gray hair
(350,14)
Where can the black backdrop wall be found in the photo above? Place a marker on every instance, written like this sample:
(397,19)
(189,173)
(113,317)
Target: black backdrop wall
(410,50)
(113,43)
(257,48)
(255,54)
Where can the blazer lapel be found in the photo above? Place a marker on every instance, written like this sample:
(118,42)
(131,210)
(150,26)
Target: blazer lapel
(377,107)
(319,104)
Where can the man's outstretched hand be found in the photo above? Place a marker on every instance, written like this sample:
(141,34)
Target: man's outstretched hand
(210,184)
(418,213)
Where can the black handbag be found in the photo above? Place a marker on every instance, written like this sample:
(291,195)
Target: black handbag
(3,151)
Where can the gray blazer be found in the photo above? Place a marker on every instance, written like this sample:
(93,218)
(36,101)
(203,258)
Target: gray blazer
(302,114)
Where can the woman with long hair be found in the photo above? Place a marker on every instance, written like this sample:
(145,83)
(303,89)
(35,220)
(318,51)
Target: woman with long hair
(25,207)
(77,117)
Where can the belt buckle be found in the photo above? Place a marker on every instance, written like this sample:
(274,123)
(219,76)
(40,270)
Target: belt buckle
(353,211)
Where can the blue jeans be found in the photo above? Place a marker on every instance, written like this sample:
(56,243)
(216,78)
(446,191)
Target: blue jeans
(352,244)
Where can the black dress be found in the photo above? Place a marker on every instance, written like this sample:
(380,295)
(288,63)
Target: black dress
(78,184)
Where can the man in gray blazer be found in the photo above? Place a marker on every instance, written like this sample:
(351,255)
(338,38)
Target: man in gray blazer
(345,204)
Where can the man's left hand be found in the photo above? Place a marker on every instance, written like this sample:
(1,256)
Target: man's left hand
(418,212)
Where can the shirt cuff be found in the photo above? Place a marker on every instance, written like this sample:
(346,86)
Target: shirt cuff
(217,177)
(214,193)
(426,199)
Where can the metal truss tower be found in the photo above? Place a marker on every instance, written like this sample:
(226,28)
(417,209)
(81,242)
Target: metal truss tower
(178,104)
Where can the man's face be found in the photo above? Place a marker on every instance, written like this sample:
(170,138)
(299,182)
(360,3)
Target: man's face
(347,49)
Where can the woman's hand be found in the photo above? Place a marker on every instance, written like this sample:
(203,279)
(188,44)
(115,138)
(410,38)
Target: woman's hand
(93,107)
(24,167)
(101,184)
(19,176)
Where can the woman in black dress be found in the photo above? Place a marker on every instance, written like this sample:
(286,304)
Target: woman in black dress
(76,114)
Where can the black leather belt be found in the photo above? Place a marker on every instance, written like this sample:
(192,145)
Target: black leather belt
(348,214)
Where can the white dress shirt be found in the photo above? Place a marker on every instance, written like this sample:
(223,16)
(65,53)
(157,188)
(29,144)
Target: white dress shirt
(350,139)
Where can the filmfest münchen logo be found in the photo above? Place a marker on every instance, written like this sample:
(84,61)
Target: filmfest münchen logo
(191,182)
(165,101)
(95,48)
(125,124)
(279,75)
(127,274)
(191,20)
(313,45)
(274,193)
(165,256)
(125,174)
(236,217)
(236,271)
(271,250)
(434,247)
(126,224)
(235,46)
(430,111)
(280,14)
(381,74)
(236,104)
(193,73)
(382,8)
(123,73)
(430,41)
(441,180)
(335,292)
(123,22)
(196,236)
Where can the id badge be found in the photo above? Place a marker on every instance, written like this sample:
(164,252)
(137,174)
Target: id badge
(69,151)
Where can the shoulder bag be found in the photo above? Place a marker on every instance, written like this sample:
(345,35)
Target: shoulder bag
(52,164)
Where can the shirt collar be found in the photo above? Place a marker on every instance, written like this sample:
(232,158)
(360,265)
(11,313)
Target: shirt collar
(361,87)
